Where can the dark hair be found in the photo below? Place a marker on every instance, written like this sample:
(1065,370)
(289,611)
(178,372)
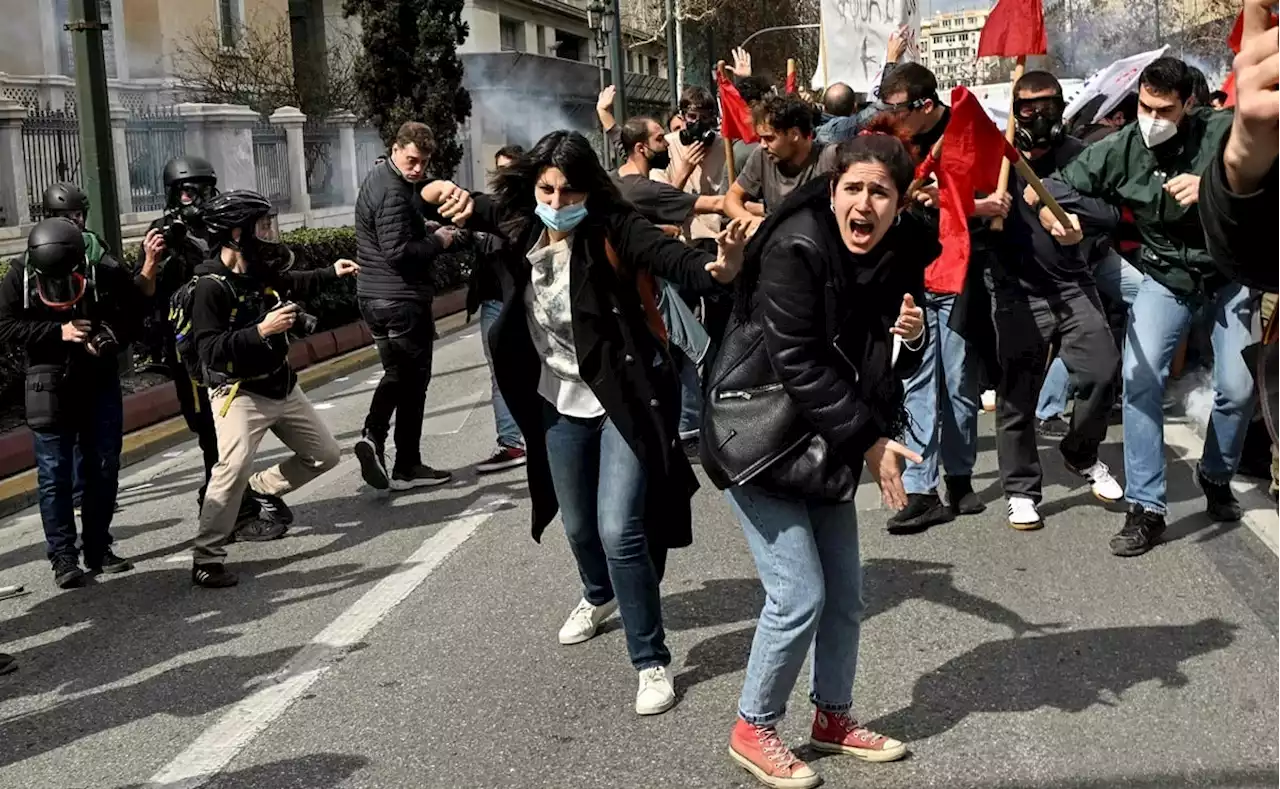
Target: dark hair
(1218,95)
(636,132)
(753,88)
(1166,76)
(839,99)
(884,142)
(1128,105)
(570,153)
(1199,86)
(914,79)
(671,116)
(784,112)
(1037,82)
(416,133)
(696,97)
(511,152)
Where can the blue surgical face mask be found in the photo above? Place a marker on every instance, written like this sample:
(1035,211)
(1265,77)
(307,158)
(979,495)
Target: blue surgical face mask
(562,220)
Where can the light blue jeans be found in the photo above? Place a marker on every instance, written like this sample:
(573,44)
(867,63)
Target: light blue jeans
(942,401)
(1158,321)
(508,431)
(807,556)
(1118,280)
(690,398)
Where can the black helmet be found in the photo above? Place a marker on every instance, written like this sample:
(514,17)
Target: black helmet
(188,170)
(55,254)
(240,208)
(64,198)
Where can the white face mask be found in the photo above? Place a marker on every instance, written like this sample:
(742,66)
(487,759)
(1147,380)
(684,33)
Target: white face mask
(1156,130)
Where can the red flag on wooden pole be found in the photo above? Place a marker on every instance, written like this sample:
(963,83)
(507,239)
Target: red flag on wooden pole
(735,115)
(973,150)
(1015,28)
(791,75)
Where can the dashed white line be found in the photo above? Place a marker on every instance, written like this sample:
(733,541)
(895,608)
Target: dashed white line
(217,746)
(322,406)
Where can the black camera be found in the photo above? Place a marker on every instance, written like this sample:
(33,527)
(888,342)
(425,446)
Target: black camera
(305,323)
(102,341)
(173,228)
(702,132)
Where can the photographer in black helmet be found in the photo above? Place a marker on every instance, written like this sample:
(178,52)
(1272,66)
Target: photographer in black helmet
(180,239)
(241,313)
(71,315)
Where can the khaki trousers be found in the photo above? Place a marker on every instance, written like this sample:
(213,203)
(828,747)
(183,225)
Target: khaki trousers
(240,431)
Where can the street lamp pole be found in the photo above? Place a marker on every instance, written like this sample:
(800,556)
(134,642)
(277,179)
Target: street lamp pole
(673,78)
(97,160)
(617,65)
(595,21)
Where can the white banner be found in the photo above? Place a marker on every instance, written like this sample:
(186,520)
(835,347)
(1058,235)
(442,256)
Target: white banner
(855,38)
(1114,82)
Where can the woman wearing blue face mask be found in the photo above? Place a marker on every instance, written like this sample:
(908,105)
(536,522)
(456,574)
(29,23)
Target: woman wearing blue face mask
(580,356)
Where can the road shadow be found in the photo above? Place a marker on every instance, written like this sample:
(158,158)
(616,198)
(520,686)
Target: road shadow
(1070,672)
(304,772)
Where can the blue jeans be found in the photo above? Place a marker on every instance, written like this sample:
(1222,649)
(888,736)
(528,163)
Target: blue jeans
(1118,280)
(94,422)
(807,556)
(690,397)
(942,401)
(600,485)
(1158,322)
(508,431)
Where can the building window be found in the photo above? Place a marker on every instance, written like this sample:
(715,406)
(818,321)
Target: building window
(653,66)
(511,34)
(230,21)
(66,51)
(570,47)
(542,40)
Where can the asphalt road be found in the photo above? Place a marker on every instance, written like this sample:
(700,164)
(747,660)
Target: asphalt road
(409,641)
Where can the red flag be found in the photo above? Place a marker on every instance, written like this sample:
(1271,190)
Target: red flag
(791,82)
(972,148)
(1014,28)
(735,115)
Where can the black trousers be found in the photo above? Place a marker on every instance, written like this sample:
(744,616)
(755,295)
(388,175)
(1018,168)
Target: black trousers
(404,333)
(1027,327)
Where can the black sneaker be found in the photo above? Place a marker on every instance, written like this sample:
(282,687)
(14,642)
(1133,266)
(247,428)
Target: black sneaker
(212,576)
(109,563)
(1053,427)
(271,508)
(962,498)
(373,463)
(419,476)
(1142,530)
(67,573)
(503,459)
(1221,503)
(7,664)
(259,531)
(922,511)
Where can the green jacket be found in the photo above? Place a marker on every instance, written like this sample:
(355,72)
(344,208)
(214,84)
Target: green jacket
(1123,172)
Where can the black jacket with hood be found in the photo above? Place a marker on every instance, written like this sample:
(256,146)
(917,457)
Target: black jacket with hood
(225,312)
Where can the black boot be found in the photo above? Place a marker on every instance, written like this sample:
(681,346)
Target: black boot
(962,498)
(212,576)
(1221,503)
(1142,530)
(922,511)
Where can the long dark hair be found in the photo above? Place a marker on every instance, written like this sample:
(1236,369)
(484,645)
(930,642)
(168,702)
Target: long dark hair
(570,153)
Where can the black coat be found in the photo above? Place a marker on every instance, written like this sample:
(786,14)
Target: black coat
(393,247)
(1239,228)
(626,366)
(822,387)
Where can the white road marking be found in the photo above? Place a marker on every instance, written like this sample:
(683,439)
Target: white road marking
(343,378)
(451,417)
(322,406)
(177,453)
(1259,511)
(218,745)
(137,488)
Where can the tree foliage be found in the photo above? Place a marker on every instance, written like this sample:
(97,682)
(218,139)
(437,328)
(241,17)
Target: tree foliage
(409,69)
(259,71)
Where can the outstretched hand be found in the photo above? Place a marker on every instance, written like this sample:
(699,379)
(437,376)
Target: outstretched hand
(910,323)
(730,245)
(884,462)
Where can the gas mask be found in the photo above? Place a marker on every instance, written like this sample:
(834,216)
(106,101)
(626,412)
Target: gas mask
(268,256)
(1039,122)
(701,130)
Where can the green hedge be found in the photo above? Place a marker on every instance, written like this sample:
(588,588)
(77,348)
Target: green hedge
(312,248)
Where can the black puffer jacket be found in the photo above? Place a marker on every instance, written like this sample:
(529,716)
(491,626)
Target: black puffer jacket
(394,249)
(805,381)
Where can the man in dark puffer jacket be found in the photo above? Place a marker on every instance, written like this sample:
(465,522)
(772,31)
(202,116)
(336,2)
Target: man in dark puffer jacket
(396,252)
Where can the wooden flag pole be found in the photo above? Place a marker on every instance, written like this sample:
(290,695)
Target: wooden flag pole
(791,72)
(822,49)
(1033,180)
(1003,187)
(728,144)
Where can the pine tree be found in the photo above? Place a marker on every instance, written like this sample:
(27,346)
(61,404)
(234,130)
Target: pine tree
(410,70)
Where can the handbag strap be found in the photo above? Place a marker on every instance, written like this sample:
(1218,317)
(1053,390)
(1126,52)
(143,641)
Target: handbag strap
(647,287)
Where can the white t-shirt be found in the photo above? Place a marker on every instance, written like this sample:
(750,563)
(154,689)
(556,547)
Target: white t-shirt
(548,310)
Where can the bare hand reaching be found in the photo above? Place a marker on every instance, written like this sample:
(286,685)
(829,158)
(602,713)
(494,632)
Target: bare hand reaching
(741,63)
(278,321)
(910,323)
(457,206)
(346,268)
(884,462)
(730,244)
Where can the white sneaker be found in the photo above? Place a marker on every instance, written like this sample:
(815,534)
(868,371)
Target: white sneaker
(1022,514)
(655,695)
(584,621)
(989,400)
(1105,487)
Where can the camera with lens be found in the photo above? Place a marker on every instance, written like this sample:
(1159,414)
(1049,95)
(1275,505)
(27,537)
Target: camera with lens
(305,323)
(102,341)
(701,131)
(173,228)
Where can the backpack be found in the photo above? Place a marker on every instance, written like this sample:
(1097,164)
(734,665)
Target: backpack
(180,306)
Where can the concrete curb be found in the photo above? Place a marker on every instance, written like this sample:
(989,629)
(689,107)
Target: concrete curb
(18,491)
